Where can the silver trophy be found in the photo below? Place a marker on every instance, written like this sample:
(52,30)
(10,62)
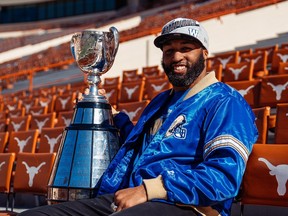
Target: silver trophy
(90,141)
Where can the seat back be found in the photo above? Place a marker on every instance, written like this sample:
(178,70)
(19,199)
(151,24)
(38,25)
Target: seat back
(19,123)
(6,167)
(50,139)
(131,91)
(64,118)
(262,117)
(274,90)
(265,178)
(260,63)
(43,120)
(32,172)
(281,55)
(281,126)
(23,141)
(239,71)
(3,141)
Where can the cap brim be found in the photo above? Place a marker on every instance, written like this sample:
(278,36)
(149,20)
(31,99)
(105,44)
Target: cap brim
(162,39)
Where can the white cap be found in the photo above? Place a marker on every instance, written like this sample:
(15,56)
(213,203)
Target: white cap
(183,28)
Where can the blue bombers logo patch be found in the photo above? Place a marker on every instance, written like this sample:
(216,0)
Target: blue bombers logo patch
(176,129)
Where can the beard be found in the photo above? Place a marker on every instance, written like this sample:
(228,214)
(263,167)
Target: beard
(185,80)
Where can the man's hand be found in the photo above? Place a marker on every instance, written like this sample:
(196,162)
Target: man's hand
(130,197)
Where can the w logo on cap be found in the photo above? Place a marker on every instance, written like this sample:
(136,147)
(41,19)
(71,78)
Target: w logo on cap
(193,32)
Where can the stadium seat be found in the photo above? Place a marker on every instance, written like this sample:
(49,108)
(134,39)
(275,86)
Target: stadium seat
(131,91)
(43,120)
(262,116)
(32,173)
(279,56)
(265,178)
(242,71)
(22,141)
(6,167)
(133,109)
(50,139)
(274,90)
(19,123)
(260,63)
(250,90)
(64,118)
(281,126)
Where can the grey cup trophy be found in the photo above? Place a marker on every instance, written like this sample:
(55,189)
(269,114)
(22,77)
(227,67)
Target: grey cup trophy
(90,141)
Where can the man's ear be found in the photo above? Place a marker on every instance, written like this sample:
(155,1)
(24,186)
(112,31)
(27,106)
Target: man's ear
(205,54)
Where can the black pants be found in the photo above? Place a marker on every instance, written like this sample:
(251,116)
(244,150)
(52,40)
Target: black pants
(101,206)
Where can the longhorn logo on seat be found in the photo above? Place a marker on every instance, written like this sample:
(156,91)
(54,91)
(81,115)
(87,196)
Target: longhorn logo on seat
(280,172)
(32,171)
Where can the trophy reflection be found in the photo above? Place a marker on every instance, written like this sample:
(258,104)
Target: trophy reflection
(90,141)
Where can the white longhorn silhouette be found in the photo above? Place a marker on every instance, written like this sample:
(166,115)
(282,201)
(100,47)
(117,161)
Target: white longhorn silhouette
(27,107)
(132,114)
(64,102)
(1,164)
(40,124)
(110,82)
(108,94)
(44,103)
(254,59)
(237,71)
(37,113)
(278,89)
(32,171)
(282,57)
(130,91)
(224,61)
(280,172)
(11,107)
(17,126)
(66,120)
(158,87)
(243,92)
(52,141)
(22,143)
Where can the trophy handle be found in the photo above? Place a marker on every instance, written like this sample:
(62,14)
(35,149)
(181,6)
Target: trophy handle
(115,32)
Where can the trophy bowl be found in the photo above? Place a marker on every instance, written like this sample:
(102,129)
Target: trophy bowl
(95,51)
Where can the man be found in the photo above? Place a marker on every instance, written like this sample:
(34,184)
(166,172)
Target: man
(188,151)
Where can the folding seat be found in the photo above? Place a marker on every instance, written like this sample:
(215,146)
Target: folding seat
(38,110)
(250,90)
(19,123)
(281,126)
(265,177)
(16,113)
(112,81)
(224,58)
(6,168)
(150,71)
(64,118)
(3,141)
(64,102)
(274,90)
(32,174)
(131,76)
(47,101)
(133,109)
(260,63)
(22,141)
(270,51)
(112,93)
(155,86)
(131,91)
(28,103)
(50,139)
(279,56)
(262,117)
(43,120)
(238,71)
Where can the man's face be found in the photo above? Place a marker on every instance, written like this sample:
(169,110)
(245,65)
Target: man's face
(183,61)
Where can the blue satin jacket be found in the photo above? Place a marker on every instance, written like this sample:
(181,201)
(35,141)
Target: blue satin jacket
(201,149)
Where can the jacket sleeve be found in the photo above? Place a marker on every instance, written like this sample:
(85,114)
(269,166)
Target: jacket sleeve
(228,134)
(123,124)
